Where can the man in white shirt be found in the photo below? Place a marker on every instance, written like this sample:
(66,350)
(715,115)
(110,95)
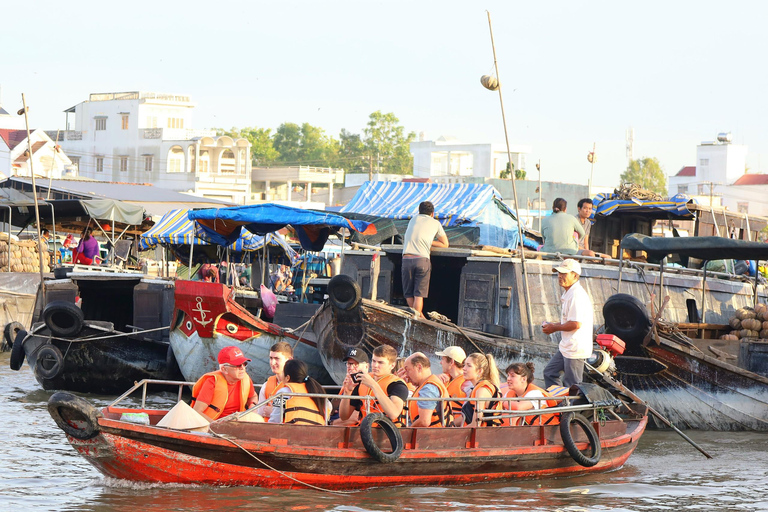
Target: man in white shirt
(576,327)
(417,245)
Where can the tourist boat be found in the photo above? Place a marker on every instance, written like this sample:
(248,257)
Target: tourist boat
(207,318)
(238,452)
(689,374)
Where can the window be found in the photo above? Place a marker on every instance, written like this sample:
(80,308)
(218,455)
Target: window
(123,164)
(682,189)
(101,123)
(176,159)
(99,164)
(124,122)
(702,189)
(742,207)
(75,161)
(704,161)
(175,122)
(151,122)
(148,163)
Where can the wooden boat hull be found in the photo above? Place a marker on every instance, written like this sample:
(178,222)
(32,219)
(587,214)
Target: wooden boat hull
(208,319)
(701,392)
(106,366)
(374,323)
(293,456)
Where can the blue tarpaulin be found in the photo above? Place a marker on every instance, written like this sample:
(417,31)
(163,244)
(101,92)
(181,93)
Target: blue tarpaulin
(175,228)
(470,205)
(223,225)
(676,205)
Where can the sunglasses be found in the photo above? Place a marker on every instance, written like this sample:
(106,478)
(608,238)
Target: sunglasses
(237,365)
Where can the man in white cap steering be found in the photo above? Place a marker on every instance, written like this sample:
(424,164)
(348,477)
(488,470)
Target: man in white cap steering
(575,326)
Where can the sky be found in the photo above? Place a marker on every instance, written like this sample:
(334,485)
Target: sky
(573,74)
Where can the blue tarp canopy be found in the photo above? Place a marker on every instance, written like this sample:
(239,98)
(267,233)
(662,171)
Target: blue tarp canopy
(223,225)
(175,228)
(676,205)
(468,205)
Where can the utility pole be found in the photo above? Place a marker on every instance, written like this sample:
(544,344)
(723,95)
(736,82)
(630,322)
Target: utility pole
(538,168)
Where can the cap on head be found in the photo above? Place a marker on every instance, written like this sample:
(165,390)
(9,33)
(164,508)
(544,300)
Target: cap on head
(357,355)
(568,265)
(232,355)
(455,353)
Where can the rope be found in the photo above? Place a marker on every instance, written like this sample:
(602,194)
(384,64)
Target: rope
(629,190)
(277,470)
(89,338)
(305,325)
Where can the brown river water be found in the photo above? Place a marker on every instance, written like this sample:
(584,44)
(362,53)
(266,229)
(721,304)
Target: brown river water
(39,471)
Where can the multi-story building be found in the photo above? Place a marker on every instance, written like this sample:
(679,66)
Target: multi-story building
(147,137)
(446,160)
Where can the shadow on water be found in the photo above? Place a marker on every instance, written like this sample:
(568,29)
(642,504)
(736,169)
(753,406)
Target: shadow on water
(42,472)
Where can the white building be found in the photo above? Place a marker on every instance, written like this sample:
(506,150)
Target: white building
(146,137)
(718,164)
(748,194)
(47,160)
(447,160)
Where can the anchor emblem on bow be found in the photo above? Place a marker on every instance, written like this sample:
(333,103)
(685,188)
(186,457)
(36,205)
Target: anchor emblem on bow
(202,312)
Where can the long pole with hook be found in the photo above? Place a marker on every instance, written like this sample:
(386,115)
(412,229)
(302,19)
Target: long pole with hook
(514,190)
(25,111)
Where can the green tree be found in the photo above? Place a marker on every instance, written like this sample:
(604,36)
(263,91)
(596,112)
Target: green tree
(351,153)
(520,174)
(386,143)
(646,173)
(286,141)
(263,152)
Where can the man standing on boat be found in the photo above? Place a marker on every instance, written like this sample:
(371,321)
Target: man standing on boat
(417,246)
(227,390)
(389,391)
(575,326)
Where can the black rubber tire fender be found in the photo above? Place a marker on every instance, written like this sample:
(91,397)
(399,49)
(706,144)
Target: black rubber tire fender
(566,420)
(50,362)
(10,331)
(626,317)
(344,292)
(63,318)
(389,428)
(17,351)
(66,409)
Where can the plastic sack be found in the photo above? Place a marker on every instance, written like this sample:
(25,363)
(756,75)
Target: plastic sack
(269,301)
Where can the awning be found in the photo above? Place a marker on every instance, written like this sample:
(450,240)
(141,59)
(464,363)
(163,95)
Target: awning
(222,225)
(175,228)
(703,247)
(23,214)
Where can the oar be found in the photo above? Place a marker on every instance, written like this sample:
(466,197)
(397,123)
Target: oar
(622,389)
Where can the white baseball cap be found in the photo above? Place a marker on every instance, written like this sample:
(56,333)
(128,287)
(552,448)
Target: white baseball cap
(568,265)
(455,353)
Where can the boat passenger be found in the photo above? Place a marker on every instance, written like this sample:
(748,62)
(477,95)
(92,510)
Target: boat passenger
(208,273)
(558,229)
(279,353)
(400,372)
(480,370)
(227,390)
(299,409)
(426,413)
(575,326)
(520,380)
(389,391)
(357,363)
(87,249)
(452,361)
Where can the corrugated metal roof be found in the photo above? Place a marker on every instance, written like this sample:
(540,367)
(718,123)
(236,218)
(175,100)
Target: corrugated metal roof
(752,179)
(687,171)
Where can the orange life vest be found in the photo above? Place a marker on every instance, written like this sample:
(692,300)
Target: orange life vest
(455,391)
(270,386)
(413,408)
(384,382)
(301,409)
(491,420)
(546,419)
(221,393)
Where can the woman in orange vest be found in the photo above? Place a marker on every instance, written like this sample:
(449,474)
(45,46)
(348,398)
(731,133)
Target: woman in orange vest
(227,390)
(480,370)
(302,410)
(520,380)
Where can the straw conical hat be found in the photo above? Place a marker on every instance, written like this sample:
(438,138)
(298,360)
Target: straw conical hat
(183,417)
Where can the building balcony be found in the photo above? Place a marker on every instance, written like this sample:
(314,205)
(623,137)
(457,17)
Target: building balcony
(64,135)
(175,133)
(299,173)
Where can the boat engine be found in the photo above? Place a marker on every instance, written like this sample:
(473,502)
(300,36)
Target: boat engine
(602,362)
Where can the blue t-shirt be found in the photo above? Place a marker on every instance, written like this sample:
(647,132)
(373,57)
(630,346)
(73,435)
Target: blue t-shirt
(428,391)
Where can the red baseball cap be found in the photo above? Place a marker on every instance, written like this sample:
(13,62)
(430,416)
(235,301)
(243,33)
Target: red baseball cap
(232,355)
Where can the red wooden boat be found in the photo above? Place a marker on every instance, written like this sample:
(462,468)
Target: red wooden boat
(237,452)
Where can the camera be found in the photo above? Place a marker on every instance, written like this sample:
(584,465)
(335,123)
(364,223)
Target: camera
(356,377)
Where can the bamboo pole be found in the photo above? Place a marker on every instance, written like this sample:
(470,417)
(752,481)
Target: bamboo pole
(37,206)
(526,292)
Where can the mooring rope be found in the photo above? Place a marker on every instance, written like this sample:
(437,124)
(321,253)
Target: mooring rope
(277,470)
(89,338)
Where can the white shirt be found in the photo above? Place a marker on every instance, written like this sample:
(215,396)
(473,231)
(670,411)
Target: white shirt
(534,393)
(422,231)
(577,307)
